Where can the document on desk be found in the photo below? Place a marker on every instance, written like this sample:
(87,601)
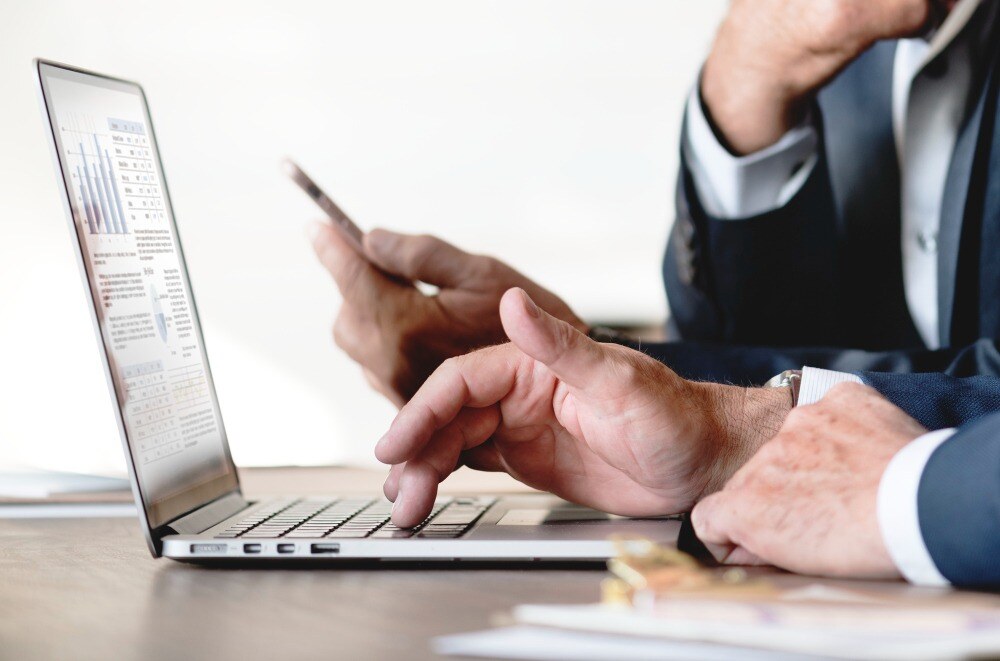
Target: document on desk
(817,621)
(543,643)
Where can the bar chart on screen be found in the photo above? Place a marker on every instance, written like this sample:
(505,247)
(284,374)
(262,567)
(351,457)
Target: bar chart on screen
(113,175)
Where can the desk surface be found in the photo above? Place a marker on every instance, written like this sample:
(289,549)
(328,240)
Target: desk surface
(89,589)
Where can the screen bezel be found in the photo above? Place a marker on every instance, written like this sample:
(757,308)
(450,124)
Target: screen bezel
(155,516)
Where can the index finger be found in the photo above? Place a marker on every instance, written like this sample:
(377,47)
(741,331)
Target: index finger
(476,380)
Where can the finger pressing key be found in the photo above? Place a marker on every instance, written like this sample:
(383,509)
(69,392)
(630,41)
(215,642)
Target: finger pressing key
(438,460)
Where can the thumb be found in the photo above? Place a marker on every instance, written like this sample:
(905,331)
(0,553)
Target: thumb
(572,356)
(419,257)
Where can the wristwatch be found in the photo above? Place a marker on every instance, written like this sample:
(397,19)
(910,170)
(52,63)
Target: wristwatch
(791,379)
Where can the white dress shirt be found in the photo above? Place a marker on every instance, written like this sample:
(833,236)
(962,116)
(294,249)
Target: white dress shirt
(927,112)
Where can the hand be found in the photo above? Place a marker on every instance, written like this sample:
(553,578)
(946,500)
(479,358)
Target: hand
(597,424)
(771,56)
(398,334)
(806,502)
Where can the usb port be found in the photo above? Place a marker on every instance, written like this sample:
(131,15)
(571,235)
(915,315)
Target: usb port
(208,548)
(286,548)
(326,548)
(251,548)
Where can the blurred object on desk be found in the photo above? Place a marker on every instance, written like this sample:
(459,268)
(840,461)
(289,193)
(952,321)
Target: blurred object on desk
(45,494)
(660,594)
(31,484)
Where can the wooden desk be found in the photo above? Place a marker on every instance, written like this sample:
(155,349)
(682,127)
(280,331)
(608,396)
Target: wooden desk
(72,589)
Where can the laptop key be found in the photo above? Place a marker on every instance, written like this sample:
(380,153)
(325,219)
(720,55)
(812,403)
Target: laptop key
(346,534)
(392,534)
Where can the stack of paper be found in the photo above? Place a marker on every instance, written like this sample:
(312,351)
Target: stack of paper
(814,622)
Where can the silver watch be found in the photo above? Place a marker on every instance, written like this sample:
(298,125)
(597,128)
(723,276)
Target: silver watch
(791,379)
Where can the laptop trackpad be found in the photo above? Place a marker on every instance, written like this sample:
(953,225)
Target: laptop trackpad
(546,518)
(535,517)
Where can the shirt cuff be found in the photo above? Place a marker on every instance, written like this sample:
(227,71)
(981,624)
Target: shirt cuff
(898,515)
(817,382)
(733,187)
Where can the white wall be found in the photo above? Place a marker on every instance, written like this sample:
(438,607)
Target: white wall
(542,131)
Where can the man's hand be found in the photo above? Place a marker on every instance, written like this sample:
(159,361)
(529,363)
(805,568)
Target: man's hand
(398,334)
(597,424)
(771,56)
(806,502)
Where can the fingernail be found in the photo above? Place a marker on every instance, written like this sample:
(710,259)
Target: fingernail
(312,230)
(530,306)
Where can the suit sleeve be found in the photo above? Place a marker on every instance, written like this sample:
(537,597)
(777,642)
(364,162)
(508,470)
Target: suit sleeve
(710,259)
(941,388)
(958,504)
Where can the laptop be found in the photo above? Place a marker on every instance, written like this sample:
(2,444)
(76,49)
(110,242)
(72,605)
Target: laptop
(185,484)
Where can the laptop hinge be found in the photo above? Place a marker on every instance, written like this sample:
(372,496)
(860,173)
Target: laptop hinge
(209,515)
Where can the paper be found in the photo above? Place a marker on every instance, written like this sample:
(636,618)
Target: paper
(885,633)
(542,644)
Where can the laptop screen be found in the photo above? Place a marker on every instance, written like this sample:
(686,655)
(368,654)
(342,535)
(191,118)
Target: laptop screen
(137,277)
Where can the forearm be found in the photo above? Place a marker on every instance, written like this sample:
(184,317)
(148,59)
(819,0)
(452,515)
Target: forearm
(738,422)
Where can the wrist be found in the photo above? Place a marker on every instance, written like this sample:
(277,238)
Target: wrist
(748,110)
(739,421)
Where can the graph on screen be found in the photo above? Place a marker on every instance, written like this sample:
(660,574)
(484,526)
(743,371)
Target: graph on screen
(113,174)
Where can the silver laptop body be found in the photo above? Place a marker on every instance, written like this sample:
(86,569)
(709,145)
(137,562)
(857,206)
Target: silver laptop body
(183,478)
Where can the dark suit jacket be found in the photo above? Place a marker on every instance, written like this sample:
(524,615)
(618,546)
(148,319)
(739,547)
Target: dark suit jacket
(958,501)
(819,281)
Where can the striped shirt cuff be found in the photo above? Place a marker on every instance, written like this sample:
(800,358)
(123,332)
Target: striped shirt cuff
(817,382)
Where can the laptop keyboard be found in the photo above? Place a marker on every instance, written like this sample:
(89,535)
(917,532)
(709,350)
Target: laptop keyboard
(311,518)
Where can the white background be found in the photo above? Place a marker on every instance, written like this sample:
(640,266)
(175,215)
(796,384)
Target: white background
(541,131)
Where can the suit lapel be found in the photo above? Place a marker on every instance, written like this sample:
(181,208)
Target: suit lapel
(955,207)
(989,260)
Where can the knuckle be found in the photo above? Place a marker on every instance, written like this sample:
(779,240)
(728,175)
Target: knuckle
(451,366)
(703,515)
(486,268)
(424,246)
(846,389)
(418,251)
(565,337)
(837,19)
(342,333)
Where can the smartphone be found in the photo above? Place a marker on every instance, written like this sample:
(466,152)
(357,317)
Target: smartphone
(347,228)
